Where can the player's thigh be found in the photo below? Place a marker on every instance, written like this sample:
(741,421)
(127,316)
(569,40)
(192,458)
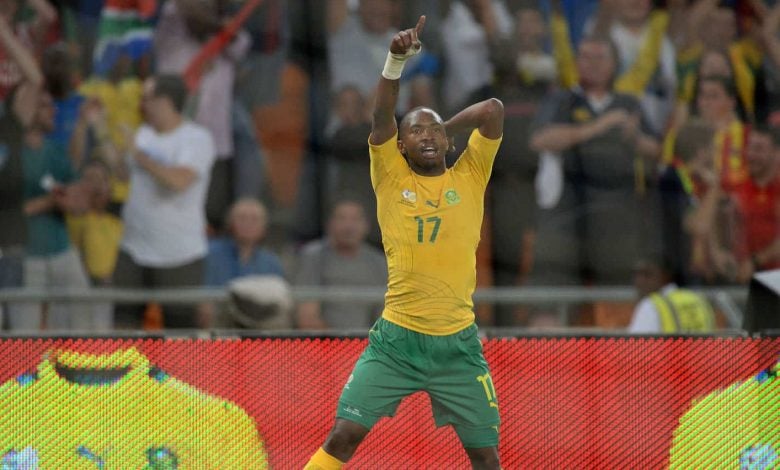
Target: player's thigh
(463,394)
(383,375)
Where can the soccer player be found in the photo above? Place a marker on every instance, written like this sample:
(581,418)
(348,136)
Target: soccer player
(430,217)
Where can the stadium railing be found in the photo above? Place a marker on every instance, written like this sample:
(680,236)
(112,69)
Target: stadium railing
(728,300)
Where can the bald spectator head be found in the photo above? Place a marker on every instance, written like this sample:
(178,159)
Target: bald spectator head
(248,221)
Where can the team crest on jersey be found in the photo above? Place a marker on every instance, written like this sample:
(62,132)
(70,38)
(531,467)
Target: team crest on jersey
(758,457)
(161,458)
(409,197)
(25,459)
(452,196)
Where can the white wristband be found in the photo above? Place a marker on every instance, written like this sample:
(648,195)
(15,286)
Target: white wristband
(394,66)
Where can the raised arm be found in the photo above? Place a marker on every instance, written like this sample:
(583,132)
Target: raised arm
(487,116)
(405,44)
(25,103)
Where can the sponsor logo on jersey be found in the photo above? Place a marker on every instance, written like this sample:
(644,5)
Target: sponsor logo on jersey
(409,195)
(161,458)
(758,457)
(353,411)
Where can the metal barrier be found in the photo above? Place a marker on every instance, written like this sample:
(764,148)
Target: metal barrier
(726,299)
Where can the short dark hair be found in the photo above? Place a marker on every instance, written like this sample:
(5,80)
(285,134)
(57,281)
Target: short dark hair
(408,116)
(347,198)
(173,88)
(692,136)
(772,131)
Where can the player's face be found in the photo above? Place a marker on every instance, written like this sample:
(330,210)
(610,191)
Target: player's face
(423,141)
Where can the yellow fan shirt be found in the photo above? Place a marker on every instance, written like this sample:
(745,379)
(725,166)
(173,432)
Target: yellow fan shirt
(116,412)
(430,232)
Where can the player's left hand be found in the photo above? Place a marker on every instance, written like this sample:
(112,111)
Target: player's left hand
(407,42)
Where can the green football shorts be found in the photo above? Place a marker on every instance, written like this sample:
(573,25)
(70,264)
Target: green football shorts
(451,369)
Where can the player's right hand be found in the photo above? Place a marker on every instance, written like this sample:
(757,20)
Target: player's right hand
(406,42)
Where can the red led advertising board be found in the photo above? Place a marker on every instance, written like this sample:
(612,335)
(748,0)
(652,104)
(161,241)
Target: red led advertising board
(268,403)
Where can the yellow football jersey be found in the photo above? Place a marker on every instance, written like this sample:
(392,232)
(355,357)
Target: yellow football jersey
(738,428)
(82,411)
(430,232)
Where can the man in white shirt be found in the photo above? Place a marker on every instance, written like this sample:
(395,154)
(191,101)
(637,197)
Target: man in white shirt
(665,307)
(164,243)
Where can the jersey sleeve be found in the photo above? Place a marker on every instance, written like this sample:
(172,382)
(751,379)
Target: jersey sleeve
(386,159)
(478,158)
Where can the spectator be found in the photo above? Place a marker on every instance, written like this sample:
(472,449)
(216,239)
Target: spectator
(524,75)
(357,48)
(682,190)
(758,205)
(97,232)
(646,56)
(259,74)
(164,244)
(347,172)
(596,226)
(467,29)
(241,253)
(709,29)
(38,170)
(60,73)
(717,105)
(18,114)
(51,260)
(108,119)
(182,30)
(31,34)
(665,307)
(342,259)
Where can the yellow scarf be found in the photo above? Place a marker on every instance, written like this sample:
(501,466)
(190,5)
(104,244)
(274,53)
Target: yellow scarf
(562,51)
(632,81)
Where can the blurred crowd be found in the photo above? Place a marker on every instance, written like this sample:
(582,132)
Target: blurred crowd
(181,143)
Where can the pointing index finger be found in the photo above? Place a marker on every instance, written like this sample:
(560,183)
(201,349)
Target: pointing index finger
(420,23)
